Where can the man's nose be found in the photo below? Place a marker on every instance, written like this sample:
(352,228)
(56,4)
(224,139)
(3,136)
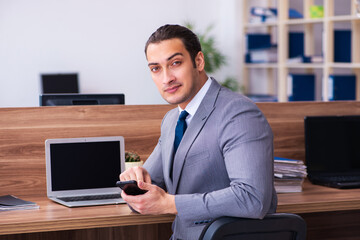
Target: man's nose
(168,76)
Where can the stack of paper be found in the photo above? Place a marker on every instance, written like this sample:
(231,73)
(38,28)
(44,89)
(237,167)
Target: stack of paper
(289,175)
(9,202)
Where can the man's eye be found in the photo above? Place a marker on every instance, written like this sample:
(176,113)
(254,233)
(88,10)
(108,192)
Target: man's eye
(176,63)
(154,69)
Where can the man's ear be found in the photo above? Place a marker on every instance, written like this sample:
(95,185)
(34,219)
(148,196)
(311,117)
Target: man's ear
(200,61)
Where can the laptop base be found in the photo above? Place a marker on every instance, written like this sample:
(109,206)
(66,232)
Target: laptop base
(88,203)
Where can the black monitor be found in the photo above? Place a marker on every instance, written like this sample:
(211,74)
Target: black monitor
(81,99)
(332,144)
(60,83)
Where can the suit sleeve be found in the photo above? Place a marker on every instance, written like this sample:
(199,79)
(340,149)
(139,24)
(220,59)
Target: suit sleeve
(154,166)
(246,142)
(154,163)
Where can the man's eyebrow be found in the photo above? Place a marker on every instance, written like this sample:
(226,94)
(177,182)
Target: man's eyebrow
(174,55)
(169,58)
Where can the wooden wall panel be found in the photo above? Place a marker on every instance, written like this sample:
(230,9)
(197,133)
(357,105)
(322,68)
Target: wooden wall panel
(287,122)
(23,132)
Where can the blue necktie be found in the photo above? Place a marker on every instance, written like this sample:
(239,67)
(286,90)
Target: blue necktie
(180,129)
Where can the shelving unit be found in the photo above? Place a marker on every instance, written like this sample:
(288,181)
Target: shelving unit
(277,72)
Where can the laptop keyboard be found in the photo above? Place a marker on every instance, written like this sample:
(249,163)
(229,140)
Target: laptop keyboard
(89,198)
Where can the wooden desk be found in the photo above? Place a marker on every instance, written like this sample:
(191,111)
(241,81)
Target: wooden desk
(329,213)
(55,217)
(56,221)
(315,198)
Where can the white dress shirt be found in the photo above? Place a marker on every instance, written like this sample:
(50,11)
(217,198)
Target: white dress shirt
(193,105)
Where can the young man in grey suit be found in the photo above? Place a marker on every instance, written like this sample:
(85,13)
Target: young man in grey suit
(223,165)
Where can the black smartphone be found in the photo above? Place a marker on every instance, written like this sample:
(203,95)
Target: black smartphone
(130,187)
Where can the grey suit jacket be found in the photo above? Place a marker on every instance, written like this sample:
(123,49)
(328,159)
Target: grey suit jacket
(223,166)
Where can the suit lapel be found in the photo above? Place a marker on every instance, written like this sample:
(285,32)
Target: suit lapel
(203,112)
(168,146)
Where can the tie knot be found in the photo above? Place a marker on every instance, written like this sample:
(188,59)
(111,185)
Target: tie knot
(183,115)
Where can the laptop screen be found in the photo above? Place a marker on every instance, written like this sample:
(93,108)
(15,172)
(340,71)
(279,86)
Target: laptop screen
(332,144)
(84,165)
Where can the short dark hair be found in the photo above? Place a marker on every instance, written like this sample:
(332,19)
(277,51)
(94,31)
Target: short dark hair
(168,31)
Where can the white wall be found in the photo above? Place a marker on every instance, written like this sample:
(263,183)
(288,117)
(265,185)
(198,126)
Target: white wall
(102,40)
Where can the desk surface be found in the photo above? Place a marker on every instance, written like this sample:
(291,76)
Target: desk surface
(315,198)
(55,217)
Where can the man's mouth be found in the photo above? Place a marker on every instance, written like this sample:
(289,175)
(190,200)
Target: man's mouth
(172,89)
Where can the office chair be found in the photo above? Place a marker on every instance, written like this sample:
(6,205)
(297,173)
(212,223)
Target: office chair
(277,226)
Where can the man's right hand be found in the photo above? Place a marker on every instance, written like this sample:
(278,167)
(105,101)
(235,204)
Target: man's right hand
(136,173)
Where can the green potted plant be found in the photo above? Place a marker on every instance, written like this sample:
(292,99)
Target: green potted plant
(132,159)
(214,59)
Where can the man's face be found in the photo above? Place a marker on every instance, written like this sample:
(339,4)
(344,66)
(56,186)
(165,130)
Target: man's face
(173,71)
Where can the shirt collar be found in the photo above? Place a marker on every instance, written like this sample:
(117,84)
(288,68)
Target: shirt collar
(194,104)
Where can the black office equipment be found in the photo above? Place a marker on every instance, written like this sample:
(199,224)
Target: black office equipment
(81,99)
(60,83)
(279,226)
(332,150)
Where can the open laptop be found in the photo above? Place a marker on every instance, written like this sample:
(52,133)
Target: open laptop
(332,150)
(84,171)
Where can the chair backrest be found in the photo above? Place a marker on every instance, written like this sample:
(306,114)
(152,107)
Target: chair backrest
(279,226)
